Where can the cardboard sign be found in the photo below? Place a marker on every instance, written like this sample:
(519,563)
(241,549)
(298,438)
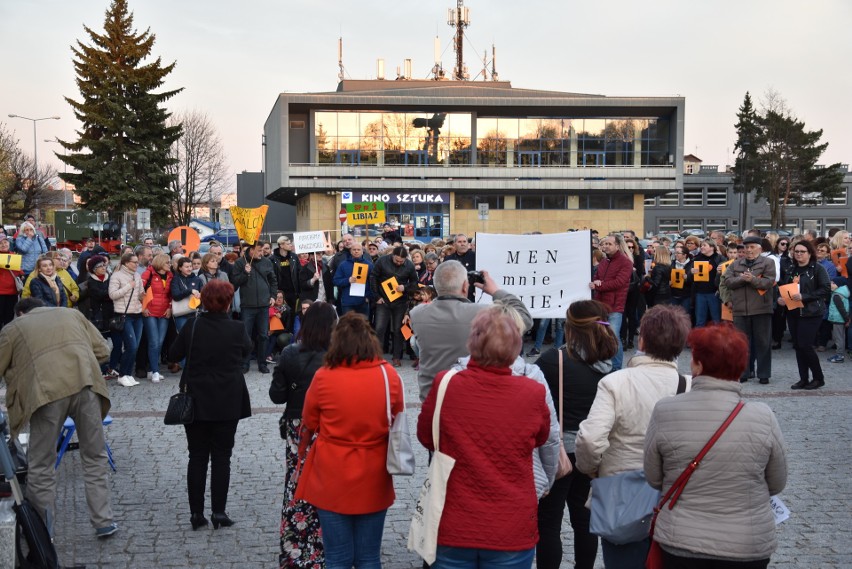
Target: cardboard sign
(703,274)
(390,287)
(724,267)
(149,296)
(275,323)
(194,303)
(248,221)
(11,262)
(359,271)
(365,213)
(727,313)
(188,237)
(678,278)
(786,292)
(309,241)
(406,331)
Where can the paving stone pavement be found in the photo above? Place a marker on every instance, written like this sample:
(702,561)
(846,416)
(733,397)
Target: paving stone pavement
(150,504)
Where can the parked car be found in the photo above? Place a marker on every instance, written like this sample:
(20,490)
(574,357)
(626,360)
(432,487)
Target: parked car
(224,236)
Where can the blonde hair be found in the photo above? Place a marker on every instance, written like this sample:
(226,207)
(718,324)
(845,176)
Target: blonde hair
(662,256)
(161,262)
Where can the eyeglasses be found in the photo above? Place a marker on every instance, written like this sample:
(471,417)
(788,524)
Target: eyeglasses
(799,251)
(782,244)
(630,247)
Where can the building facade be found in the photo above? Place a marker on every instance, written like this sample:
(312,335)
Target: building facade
(441,153)
(708,202)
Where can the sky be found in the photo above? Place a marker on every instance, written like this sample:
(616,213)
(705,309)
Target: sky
(233,59)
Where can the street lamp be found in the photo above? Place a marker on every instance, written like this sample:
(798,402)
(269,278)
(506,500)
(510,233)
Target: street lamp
(35,147)
(64,170)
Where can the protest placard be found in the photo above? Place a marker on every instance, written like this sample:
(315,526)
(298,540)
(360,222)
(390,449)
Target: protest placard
(248,221)
(309,241)
(547,272)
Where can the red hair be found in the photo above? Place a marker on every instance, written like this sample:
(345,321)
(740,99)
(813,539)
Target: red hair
(217,295)
(495,340)
(721,349)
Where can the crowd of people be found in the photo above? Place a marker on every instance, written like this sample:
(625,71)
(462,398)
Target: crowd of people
(325,320)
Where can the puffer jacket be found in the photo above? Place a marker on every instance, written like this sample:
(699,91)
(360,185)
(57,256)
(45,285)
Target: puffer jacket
(723,510)
(612,438)
(814,286)
(744,295)
(834,314)
(161,286)
(545,460)
(126,291)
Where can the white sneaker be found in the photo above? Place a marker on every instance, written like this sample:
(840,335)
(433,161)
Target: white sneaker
(156,377)
(126,381)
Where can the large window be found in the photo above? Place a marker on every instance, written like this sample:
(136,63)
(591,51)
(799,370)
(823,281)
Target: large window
(717,196)
(472,202)
(693,197)
(670,199)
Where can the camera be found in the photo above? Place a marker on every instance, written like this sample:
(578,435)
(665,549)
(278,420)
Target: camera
(475,277)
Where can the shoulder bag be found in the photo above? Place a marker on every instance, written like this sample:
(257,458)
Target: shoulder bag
(116,323)
(423,534)
(565,468)
(181,307)
(655,554)
(623,504)
(400,459)
(181,410)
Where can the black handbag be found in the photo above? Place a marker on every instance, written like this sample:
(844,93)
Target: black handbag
(116,323)
(181,409)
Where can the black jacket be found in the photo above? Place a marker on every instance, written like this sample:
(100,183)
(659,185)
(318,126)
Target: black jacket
(579,387)
(710,286)
(384,269)
(311,291)
(258,286)
(288,272)
(292,377)
(661,290)
(214,369)
(814,286)
(100,304)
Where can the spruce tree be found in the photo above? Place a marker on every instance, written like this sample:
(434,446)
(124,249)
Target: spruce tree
(122,151)
(747,169)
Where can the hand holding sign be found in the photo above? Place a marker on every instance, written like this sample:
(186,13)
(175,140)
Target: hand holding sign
(678,278)
(11,262)
(790,297)
(701,270)
(392,289)
(249,222)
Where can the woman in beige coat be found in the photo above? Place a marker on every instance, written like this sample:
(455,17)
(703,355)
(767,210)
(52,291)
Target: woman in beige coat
(722,519)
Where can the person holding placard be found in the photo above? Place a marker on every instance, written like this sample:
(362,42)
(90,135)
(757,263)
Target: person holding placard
(351,280)
(708,307)
(256,278)
(391,276)
(805,295)
(681,278)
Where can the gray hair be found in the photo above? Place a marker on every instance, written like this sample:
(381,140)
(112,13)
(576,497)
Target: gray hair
(175,244)
(449,278)
(431,257)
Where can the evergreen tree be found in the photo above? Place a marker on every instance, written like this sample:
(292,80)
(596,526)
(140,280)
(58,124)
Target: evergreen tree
(122,151)
(747,171)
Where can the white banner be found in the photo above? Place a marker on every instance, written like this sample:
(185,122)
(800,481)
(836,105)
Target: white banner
(547,272)
(309,241)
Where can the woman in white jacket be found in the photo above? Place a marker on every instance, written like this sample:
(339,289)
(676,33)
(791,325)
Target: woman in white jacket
(611,440)
(722,519)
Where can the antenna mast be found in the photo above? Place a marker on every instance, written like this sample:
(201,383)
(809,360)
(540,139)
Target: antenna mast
(459,18)
(341,73)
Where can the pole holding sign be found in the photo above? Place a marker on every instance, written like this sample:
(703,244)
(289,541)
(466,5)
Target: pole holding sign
(249,222)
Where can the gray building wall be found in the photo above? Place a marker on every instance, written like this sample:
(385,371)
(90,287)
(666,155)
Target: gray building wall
(250,193)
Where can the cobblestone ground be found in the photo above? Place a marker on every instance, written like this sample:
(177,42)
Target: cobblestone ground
(149,495)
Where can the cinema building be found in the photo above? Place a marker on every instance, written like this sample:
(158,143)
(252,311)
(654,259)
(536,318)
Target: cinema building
(463,156)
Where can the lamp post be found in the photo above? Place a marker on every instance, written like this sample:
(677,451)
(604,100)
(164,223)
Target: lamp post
(35,148)
(64,171)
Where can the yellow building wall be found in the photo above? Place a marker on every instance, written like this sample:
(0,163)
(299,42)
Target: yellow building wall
(317,212)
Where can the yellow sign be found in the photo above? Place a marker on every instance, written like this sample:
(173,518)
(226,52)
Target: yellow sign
(11,262)
(390,287)
(249,222)
(194,302)
(678,278)
(365,213)
(359,271)
(722,269)
(703,274)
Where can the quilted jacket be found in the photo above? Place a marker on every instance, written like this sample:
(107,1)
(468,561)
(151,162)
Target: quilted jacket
(724,510)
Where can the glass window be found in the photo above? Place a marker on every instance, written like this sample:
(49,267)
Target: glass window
(670,199)
(840,199)
(622,201)
(693,224)
(472,202)
(650,201)
(553,201)
(693,197)
(713,224)
(717,196)
(669,226)
(839,223)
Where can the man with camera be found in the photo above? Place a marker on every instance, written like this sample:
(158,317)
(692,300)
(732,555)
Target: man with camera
(392,301)
(443,326)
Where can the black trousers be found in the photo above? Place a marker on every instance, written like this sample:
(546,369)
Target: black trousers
(757,329)
(572,490)
(674,562)
(213,442)
(7,308)
(804,332)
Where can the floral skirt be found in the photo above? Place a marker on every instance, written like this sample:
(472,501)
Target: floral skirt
(301,536)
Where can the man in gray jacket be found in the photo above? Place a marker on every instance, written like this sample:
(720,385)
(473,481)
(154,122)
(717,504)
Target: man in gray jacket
(442,327)
(747,286)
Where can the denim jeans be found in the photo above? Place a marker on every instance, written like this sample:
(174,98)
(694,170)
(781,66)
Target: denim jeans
(180,321)
(256,321)
(544,326)
(130,342)
(352,540)
(684,302)
(363,308)
(707,304)
(615,319)
(467,558)
(115,354)
(155,331)
(627,556)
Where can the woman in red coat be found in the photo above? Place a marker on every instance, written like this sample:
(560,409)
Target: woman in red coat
(490,422)
(158,279)
(345,474)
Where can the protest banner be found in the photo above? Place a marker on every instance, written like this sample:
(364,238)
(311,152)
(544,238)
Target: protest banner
(547,272)
(365,213)
(309,241)
(248,221)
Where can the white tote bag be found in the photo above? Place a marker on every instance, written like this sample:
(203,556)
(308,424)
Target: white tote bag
(423,535)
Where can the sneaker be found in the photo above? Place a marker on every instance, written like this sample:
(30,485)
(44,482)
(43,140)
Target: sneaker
(836,359)
(156,377)
(126,381)
(106,531)
(270,360)
(533,352)
(111,374)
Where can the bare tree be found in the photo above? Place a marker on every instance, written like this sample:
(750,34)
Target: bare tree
(22,188)
(200,173)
